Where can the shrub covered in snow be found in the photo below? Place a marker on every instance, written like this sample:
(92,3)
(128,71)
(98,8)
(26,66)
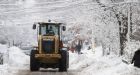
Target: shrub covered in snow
(130,49)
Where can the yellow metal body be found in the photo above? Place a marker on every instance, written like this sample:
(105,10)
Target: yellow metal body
(46,57)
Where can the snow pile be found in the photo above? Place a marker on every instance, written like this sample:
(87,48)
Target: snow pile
(89,63)
(106,66)
(13,60)
(3,54)
(99,51)
(4,69)
(3,48)
(81,61)
(17,58)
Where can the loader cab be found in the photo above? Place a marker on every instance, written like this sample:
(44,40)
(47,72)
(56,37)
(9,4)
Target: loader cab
(49,39)
(50,29)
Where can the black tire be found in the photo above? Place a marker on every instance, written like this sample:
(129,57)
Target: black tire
(67,59)
(34,65)
(63,64)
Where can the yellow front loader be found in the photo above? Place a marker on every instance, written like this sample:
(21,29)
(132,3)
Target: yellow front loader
(50,52)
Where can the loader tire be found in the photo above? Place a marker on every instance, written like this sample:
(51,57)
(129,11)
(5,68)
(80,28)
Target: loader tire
(63,64)
(34,65)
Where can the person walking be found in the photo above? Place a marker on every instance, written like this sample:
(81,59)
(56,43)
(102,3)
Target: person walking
(79,46)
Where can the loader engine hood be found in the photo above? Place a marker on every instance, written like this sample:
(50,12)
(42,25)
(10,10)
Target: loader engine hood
(48,45)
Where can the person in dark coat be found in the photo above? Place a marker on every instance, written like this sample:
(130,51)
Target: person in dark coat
(136,59)
(79,46)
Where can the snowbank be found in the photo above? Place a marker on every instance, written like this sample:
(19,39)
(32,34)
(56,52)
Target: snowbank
(89,63)
(4,69)
(81,61)
(17,58)
(14,59)
(98,51)
(105,66)
(3,48)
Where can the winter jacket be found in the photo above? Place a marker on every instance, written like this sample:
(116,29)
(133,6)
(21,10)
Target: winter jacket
(136,58)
